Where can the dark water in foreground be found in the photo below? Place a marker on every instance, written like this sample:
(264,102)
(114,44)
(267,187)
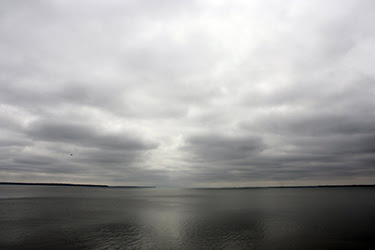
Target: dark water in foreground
(102,218)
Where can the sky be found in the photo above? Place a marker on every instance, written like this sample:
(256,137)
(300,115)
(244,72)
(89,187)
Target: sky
(187,93)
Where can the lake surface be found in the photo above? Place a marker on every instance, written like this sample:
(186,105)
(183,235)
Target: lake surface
(47,217)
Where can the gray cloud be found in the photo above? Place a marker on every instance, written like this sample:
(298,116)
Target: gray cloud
(187,93)
(79,134)
(219,148)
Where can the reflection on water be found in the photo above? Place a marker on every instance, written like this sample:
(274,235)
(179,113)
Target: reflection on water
(45,217)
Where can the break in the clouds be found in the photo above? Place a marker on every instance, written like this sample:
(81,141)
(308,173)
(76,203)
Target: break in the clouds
(187,93)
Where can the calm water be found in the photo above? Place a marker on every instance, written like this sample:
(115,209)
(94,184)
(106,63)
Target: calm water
(39,217)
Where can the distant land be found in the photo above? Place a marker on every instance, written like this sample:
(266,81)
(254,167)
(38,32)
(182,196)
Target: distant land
(312,186)
(206,188)
(71,185)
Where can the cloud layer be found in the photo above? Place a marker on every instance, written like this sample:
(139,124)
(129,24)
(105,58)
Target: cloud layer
(175,93)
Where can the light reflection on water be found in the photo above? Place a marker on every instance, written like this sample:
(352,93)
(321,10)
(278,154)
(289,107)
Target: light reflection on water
(100,218)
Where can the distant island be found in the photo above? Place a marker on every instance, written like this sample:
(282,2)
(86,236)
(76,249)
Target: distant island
(71,185)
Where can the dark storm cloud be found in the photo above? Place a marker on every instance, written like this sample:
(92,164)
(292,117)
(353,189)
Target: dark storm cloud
(310,145)
(71,148)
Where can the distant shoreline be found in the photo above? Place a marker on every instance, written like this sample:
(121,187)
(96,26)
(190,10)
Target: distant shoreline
(266,187)
(70,185)
(201,188)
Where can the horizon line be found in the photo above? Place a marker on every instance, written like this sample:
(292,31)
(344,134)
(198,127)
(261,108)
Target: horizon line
(71,184)
(206,188)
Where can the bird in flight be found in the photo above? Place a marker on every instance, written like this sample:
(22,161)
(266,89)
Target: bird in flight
(71,154)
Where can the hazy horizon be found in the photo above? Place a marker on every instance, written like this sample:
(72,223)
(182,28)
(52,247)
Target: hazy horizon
(188,93)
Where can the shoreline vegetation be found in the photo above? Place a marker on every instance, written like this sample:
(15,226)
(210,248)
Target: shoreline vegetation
(312,186)
(206,188)
(70,185)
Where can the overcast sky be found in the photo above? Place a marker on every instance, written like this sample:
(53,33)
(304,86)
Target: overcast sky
(187,93)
